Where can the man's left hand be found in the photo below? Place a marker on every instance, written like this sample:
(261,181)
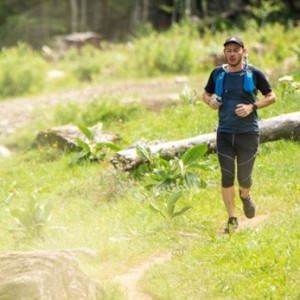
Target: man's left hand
(244,110)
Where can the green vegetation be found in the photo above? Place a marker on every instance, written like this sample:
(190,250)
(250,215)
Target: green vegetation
(181,50)
(164,174)
(90,149)
(91,205)
(23,71)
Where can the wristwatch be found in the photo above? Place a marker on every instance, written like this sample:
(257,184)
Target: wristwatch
(254,106)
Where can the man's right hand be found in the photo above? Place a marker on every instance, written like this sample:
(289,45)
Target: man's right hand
(213,103)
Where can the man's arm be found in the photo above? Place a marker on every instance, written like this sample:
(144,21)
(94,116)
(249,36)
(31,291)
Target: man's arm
(267,100)
(243,110)
(210,100)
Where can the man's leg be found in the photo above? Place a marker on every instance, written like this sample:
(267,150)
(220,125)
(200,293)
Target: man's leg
(226,155)
(247,151)
(228,198)
(244,192)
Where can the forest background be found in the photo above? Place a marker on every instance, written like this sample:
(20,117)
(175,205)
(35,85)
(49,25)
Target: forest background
(37,21)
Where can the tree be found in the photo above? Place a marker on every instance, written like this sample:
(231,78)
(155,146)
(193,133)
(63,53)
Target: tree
(36,21)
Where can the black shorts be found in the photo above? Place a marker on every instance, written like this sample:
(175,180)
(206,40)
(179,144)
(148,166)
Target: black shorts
(237,152)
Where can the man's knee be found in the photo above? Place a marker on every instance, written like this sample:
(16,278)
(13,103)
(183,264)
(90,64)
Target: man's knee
(227,181)
(245,183)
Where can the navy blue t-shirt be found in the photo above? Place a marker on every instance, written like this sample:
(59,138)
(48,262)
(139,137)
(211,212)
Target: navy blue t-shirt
(233,94)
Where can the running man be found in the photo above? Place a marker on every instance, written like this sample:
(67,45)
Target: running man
(232,90)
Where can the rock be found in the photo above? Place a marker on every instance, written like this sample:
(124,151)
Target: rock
(64,137)
(53,275)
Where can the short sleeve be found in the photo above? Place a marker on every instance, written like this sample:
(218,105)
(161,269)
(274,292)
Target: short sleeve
(210,85)
(261,82)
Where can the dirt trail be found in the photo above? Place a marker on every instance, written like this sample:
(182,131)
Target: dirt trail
(17,112)
(130,281)
(245,223)
(251,223)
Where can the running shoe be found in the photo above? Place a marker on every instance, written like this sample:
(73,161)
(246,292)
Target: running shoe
(232,225)
(249,206)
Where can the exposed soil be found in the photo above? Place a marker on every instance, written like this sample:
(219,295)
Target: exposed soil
(153,93)
(247,223)
(130,281)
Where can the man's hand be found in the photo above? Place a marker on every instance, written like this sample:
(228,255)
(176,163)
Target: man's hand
(244,110)
(214,104)
(210,100)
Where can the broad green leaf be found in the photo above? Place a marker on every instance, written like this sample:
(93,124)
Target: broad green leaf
(159,174)
(86,131)
(191,180)
(193,154)
(182,211)
(172,201)
(181,167)
(164,184)
(160,162)
(85,146)
(156,209)
(144,153)
(80,157)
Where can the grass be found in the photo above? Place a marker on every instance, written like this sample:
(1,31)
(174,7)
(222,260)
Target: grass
(254,263)
(96,207)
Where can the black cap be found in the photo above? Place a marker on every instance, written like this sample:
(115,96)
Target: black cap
(234,39)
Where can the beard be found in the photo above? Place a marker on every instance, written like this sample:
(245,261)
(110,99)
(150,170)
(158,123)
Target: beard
(235,63)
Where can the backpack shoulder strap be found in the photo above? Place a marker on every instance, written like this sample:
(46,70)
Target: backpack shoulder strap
(249,83)
(219,84)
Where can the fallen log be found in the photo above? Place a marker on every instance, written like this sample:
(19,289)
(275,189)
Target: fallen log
(281,127)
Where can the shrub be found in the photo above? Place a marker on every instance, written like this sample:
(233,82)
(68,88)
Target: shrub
(84,64)
(23,71)
(173,52)
(106,109)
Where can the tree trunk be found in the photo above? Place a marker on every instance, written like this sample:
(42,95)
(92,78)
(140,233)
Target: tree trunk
(145,11)
(282,127)
(83,7)
(74,15)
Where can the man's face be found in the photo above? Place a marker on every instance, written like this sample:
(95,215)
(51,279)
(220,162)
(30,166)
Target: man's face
(233,54)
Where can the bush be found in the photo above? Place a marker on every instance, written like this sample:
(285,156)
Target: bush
(173,52)
(23,71)
(106,109)
(84,64)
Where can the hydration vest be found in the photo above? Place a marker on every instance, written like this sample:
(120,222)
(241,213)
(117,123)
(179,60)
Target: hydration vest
(248,83)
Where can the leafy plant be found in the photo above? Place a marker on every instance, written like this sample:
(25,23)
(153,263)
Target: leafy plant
(85,65)
(163,174)
(32,218)
(23,71)
(289,85)
(189,96)
(91,149)
(169,211)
